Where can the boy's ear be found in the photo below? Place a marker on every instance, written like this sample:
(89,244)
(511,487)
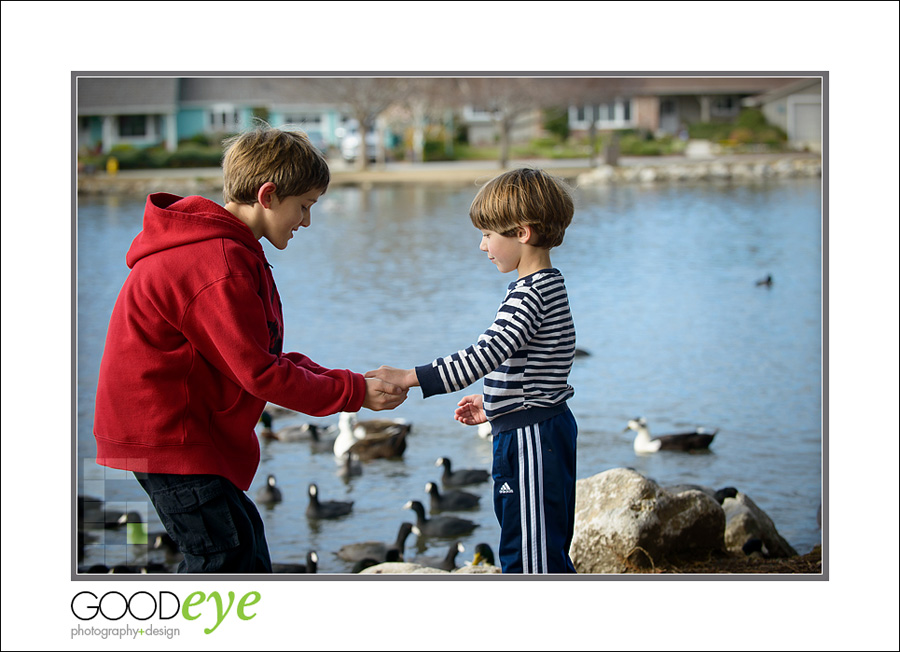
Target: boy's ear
(523,234)
(265,194)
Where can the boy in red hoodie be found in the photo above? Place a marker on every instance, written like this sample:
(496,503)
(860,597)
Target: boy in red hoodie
(194,351)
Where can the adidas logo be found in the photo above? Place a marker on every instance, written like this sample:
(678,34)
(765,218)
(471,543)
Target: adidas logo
(505,489)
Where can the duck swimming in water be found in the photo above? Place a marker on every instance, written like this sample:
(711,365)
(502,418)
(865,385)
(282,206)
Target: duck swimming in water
(461,477)
(699,439)
(269,494)
(326,508)
(370,439)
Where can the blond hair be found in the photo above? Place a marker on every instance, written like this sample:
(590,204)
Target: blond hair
(525,197)
(286,158)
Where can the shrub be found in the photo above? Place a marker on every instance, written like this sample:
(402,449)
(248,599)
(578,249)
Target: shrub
(193,156)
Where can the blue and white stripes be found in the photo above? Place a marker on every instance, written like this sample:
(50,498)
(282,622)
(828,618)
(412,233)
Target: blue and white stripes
(524,357)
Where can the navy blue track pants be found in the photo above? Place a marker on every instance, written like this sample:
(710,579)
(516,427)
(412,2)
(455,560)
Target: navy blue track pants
(534,495)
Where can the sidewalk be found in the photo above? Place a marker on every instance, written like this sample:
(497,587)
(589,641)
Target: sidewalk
(198,180)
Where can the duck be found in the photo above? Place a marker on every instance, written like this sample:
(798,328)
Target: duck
(162,541)
(483,555)
(755,548)
(484,430)
(699,439)
(392,555)
(327,508)
(350,467)
(447,562)
(116,519)
(376,549)
(725,492)
(311,565)
(269,494)
(461,477)
(91,511)
(372,439)
(311,432)
(765,282)
(450,500)
(439,526)
(321,438)
(276,411)
(266,431)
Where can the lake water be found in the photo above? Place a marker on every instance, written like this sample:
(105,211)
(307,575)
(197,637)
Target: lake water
(662,282)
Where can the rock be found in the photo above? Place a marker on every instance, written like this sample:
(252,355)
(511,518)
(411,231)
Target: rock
(745,521)
(601,174)
(478,570)
(647,175)
(624,520)
(399,567)
(698,149)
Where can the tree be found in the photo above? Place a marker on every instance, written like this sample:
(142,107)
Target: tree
(591,92)
(365,98)
(508,100)
(427,99)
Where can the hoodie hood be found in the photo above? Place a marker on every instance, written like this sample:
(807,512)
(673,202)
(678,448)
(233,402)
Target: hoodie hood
(171,221)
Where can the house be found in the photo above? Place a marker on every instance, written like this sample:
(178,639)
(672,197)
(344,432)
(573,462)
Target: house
(139,111)
(796,108)
(161,111)
(148,111)
(665,105)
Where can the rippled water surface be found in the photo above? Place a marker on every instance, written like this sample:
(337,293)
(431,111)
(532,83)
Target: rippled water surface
(662,282)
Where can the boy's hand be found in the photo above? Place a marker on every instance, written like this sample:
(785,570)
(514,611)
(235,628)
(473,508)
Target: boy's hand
(404,378)
(381,395)
(471,410)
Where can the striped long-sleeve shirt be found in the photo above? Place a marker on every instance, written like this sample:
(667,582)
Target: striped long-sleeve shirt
(524,357)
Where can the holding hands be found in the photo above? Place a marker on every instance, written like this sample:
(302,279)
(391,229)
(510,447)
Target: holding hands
(381,395)
(404,378)
(470,410)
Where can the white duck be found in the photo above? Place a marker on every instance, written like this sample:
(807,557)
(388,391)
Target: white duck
(698,439)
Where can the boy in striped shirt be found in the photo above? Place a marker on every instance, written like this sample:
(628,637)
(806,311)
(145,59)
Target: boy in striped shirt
(525,358)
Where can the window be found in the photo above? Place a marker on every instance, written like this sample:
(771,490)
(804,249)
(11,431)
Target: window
(224,118)
(132,125)
(609,115)
(725,106)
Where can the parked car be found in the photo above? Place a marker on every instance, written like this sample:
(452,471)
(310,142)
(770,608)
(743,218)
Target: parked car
(350,146)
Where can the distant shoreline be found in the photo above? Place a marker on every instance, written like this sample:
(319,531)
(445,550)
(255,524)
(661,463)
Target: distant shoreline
(186,181)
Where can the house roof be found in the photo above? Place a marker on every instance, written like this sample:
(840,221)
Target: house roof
(813,85)
(693,85)
(126,95)
(149,94)
(252,91)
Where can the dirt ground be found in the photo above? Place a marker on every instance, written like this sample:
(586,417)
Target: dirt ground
(810,563)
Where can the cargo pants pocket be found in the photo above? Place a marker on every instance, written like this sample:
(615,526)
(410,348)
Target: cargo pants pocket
(197,516)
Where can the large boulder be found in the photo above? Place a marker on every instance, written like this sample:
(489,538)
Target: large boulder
(745,521)
(401,568)
(625,521)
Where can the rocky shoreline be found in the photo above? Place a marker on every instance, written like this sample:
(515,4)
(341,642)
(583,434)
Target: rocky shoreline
(714,170)
(631,170)
(627,524)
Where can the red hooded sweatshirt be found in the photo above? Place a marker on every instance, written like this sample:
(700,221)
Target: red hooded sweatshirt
(193,350)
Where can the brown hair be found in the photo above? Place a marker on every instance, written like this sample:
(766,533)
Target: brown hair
(525,197)
(286,158)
